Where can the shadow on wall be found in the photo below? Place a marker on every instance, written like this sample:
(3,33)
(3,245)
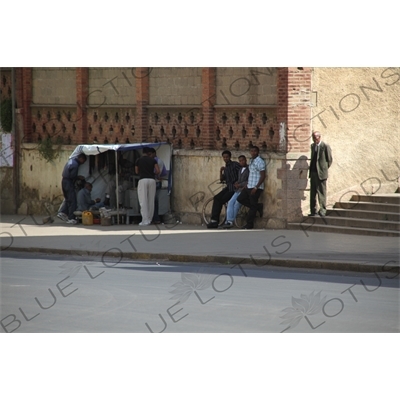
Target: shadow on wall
(296,185)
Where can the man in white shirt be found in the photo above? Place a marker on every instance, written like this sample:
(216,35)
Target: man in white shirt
(255,187)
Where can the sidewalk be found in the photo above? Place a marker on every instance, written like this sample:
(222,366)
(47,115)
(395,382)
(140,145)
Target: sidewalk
(190,243)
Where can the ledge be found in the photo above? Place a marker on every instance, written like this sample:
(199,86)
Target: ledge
(33,146)
(167,106)
(271,106)
(160,106)
(217,153)
(33,105)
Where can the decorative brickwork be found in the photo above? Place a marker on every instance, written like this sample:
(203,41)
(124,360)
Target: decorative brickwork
(181,127)
(111,125)
(60,124)
(120,105)
(241,128)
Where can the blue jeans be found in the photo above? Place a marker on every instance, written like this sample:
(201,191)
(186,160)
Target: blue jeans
(97,206)
(233,207)
(70,205)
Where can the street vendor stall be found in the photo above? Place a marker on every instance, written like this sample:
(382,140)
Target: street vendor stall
(111,170)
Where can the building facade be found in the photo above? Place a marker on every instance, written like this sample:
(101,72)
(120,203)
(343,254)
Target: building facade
(201,112)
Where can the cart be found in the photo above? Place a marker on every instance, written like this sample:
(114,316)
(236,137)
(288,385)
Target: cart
(110,168)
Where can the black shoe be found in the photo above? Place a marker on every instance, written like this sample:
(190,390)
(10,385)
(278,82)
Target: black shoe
(321,214)
(227,226)
(212,225)
(261,209)
(247,226)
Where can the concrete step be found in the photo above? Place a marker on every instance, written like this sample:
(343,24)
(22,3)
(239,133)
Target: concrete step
(377,215)
(384,198)
(354,222)
(364,214)
(321,227)
(372,206)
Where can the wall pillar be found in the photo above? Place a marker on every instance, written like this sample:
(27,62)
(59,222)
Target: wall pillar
(294,110)
(208,99)
(26,92)
(142,101)
(82,92)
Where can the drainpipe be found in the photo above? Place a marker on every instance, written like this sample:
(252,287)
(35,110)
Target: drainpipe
(16,155)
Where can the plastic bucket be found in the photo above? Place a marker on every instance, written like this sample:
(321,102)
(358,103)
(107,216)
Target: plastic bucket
(87,218)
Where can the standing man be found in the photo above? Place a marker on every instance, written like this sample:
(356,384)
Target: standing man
(159,178)
(249,195)
(146,167)
(69,175)
(229,174)
(234,205)
(321,160)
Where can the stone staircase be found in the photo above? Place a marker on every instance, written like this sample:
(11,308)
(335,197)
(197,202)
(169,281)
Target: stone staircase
(375,215)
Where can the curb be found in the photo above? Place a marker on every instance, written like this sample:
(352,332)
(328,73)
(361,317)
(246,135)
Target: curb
(249,262)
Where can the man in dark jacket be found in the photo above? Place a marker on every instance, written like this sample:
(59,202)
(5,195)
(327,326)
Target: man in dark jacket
(321,160)
(69,175)
(85,201)
(229,174)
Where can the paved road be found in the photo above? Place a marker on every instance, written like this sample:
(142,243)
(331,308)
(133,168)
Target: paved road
(58,293)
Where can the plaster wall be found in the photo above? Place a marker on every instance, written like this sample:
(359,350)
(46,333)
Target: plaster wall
(195,179)
(357,111)
(54,86)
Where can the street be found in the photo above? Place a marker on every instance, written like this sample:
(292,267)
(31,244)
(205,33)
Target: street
(62,293)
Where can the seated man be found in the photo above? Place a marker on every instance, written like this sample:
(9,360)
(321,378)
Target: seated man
(85,201)
(233,205)
(229,174)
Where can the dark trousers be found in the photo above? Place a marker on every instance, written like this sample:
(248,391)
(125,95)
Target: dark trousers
(219,200)
(70,204)
(251,201)
(318,187)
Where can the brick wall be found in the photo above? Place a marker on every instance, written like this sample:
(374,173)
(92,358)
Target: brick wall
(26,100)
(294,107)
(179,105)
(294,112)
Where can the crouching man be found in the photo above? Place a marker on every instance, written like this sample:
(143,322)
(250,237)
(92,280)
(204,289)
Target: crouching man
(85,201)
